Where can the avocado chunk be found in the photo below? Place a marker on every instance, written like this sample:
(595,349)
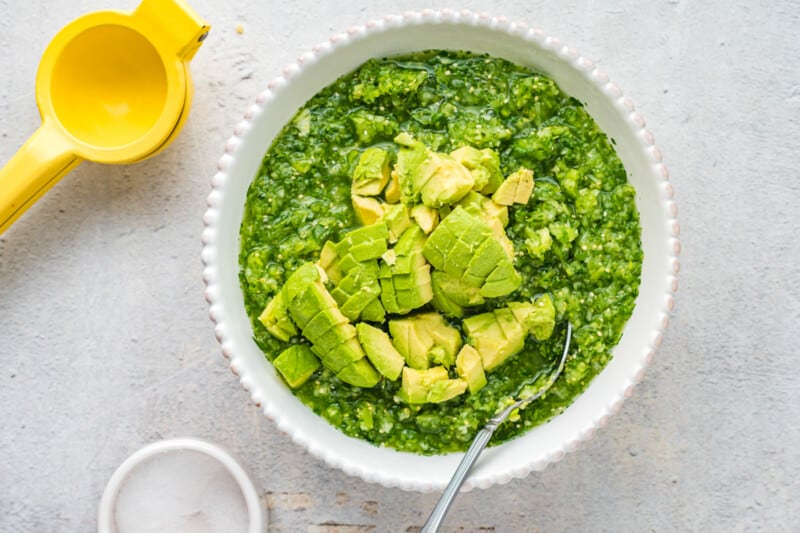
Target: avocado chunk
(416,384)
(515,189)
(344,353)
(493,337)
(275,318)
(484,165)
(397,221)
(380,350)
(424,339)
(371,173)
(447,389)
(296,364)
(329,262)
(425,217)
(470,368)
(368,210)
(448,183)
(392,194)
(428,177)
(463,247)
(361,374)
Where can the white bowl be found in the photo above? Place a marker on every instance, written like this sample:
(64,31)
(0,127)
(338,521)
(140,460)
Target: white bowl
(455,30)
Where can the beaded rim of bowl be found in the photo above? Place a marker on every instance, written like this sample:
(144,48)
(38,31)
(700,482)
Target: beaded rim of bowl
(591,73)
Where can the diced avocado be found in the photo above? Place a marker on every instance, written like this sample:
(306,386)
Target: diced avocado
(521,310)
(412,240)
(484,165)
(299,280)
(542,320)
(470,368)
(374,312)
(512,328)
(410,342)
(380,350)
(503,280)
(414,167)
(397,221)
(416,337)
(355,305)
(325,320)
(326,341)
(500,236)
(486,258)
(392,193)
(364,243)
(368,210)
(275,318)
(342,354)
(296,364)
(372,172)
(361,374)
(515,189)
(328,261)
(425,217)
(447,389)
(417,384)
(449,182)
(486,336)
(308,303)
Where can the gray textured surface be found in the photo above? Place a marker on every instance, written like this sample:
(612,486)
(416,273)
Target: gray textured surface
(105,344)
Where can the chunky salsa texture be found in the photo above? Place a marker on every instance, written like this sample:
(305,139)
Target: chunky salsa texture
(588,260)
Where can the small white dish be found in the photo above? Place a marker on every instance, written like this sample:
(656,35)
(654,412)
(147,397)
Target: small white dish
(182,484)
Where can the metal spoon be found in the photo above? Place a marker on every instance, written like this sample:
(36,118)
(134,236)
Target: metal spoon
(479,443)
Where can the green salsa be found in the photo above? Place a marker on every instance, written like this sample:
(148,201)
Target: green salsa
(577,239)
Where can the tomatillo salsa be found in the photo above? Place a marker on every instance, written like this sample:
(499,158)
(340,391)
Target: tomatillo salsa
(399,135)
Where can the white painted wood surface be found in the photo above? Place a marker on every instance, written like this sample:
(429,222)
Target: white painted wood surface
(105,344)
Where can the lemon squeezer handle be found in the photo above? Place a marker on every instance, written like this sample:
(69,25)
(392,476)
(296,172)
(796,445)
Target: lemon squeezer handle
(40,162)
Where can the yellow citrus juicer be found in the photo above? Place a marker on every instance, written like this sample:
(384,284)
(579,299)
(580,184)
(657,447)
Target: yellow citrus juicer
(112,87)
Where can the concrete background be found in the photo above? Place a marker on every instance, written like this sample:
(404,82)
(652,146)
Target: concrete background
(105,343)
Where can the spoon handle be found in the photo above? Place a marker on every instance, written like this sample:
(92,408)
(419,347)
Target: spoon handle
(478,444)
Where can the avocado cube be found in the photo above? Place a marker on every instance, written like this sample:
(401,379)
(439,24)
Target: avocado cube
(412,343)
(486,257)
(491,343)
(328,340)
(458,257)
(412,240)
(368,210)
(374,311)
(470,368)
(443,303)
(449,182)
(380,350)
(397,221)
(426,217)
(511,327)
(360,374)
(417,383)
(456,290)
(328,261)
(299,281)
(366,250)
(353,307)
(516,188)
(310,302)
(371,173)
(342,354)
(275,318)
(322,322)
(484,165)
(472,325)
(389,298)
(296,364)
(447,389)
(503,280)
